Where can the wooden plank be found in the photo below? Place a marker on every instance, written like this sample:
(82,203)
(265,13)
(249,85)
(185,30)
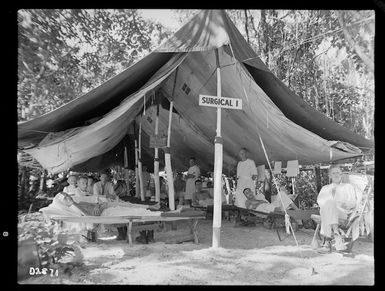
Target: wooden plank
(145,227)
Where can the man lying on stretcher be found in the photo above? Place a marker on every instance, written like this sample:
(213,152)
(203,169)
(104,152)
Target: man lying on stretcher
(65,205)
(259,202)
(77,206)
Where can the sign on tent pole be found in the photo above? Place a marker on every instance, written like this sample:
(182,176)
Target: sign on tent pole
(220,102)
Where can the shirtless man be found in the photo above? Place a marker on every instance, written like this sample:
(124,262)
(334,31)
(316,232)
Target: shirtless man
(71,188)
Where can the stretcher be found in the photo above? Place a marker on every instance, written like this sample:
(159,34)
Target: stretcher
(140,222)
(270,218)
(210,209)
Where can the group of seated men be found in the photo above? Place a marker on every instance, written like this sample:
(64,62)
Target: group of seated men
(83,186)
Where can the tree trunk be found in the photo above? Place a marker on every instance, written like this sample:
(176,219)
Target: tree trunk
(246,28)
(316,97)
(22,181)
(325,91)
(265,36)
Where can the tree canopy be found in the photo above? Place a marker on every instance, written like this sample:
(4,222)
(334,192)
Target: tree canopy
(325,57)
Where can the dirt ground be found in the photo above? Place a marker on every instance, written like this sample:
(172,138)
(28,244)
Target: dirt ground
(249,255)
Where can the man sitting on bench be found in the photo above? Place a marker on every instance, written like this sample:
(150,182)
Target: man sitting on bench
(259,203)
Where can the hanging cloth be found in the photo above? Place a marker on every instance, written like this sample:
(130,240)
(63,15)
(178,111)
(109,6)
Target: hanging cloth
(261,173)
(292,168)
(277,167)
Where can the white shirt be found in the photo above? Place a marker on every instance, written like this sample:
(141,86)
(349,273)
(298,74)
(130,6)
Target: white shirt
(70,189)
(106,189)
(246,168)
(344,194)
(84,196)
(190,183)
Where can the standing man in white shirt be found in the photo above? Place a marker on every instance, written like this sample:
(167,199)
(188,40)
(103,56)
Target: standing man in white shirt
(192,175)
(246,174)
(104,187)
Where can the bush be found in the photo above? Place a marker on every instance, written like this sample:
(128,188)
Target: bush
(52,243)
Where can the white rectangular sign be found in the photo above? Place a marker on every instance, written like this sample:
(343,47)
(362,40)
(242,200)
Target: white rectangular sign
(223,102)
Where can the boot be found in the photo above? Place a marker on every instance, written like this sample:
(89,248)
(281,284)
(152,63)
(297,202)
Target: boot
(142,238)
(121,233)
(150,236)
(326,247)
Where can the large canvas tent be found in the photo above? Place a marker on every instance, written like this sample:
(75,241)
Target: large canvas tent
(90,132)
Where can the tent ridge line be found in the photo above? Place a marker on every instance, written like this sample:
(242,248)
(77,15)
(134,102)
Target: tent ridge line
(187,119)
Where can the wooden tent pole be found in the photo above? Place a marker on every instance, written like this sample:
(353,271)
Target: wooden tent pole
(137,184)
(229,194)
(156,159)
(218,162)
(140,170)
(126,173)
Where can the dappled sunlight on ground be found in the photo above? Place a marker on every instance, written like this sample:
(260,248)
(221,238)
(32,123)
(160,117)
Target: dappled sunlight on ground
(251,255)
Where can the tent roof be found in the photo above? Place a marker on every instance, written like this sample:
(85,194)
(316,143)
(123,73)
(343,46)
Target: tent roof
(289,127)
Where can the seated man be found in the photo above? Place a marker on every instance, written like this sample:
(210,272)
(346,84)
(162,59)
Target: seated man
(336,200)
(180,188)
(259,202)
(71,188)
(81,191)
(201,197)
(120,189)
(90,185)
(104,187)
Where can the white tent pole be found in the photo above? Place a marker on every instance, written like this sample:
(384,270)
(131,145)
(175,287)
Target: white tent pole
(140,170)
(218,161)
(167,154)
(167,158)
(156,159)
(137,184)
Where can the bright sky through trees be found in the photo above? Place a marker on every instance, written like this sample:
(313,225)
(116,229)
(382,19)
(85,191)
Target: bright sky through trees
(166,17)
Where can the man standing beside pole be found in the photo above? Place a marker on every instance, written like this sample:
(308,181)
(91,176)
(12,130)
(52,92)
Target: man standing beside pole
(192,174)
